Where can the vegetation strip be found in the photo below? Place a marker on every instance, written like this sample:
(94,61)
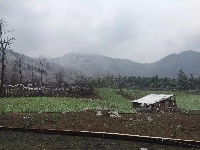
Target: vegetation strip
(106,135)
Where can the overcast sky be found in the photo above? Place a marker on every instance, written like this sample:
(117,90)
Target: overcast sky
(139,30)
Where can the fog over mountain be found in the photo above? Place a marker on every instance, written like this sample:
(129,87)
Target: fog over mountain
(31,69)
(169,66)
(74,64)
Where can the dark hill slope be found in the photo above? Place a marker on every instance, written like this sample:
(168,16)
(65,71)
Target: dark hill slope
(188,61)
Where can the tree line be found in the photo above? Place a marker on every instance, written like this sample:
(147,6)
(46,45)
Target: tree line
(182,82)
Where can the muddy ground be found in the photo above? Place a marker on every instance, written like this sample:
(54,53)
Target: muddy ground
(171,125)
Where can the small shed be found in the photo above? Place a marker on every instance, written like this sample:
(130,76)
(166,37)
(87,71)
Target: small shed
(155,102)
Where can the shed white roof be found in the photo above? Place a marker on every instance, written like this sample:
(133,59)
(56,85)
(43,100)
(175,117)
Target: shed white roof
(153,98)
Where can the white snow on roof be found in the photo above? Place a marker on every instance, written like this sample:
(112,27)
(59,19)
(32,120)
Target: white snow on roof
(153,98)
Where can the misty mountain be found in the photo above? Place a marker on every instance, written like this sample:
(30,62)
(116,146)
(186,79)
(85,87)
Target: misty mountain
(91,65)
(76,64)
(31,69)
(169,66)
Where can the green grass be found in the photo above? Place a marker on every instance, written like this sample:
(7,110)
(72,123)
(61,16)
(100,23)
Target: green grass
(45,104)
(109,100)
(188,102)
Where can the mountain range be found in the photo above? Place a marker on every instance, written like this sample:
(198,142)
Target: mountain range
(97,65)
(169,66)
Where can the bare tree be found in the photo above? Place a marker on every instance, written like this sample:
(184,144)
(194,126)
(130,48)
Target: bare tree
(59,76)
(19,64)
(32,74)
(42,63)
(14,74)
(5,43)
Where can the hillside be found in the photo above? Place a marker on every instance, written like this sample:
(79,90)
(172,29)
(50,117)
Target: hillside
(169,66)
(30,68)
(75,64)
(99,65)
(188,61)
